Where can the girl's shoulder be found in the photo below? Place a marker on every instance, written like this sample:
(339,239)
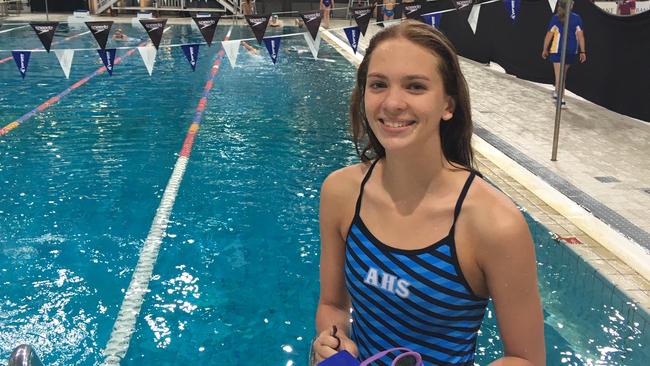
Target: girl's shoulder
(490,213)
(345,181)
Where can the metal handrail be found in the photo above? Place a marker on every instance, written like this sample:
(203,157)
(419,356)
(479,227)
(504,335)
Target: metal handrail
(24,355)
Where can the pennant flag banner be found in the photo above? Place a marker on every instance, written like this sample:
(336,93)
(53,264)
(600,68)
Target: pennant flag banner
(413,10)
(45,32)
(552,4)
(191,52)
(353,37)
(473,17)
(100,31)
(314,45)
(258,24)
(154,28)
(148,55)
(512,7)
(273,46)
(232,51)
(65,60)
(362,17)
(463,7)
(108,57)
(432,19)
(207,27)
(312,21)
(22,61)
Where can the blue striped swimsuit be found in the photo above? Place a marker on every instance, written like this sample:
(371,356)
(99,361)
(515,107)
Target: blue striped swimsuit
(411,298)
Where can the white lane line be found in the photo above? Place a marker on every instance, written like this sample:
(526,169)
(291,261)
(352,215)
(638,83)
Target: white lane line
(9,30)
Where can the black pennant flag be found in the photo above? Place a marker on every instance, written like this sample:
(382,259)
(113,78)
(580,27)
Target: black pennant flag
(45,32)
(108,58)
(413,10)
(258,24)
(207,26)
(312,21)
(100,31)
(191,52)
(154,28)
(362,17)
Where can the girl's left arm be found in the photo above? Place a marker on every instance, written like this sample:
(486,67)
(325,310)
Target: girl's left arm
(508,262)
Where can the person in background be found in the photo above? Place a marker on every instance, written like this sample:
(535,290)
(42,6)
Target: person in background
(389,9)
(326,7)
(248,7)
(120,36)
(575,50)
(414,242)
(275,22)
(627,7)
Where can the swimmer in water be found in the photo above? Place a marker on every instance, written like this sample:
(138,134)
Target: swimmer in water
(120,36)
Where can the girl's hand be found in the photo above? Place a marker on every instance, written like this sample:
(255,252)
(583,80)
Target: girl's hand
(583,57)
(544,54)
(328,344)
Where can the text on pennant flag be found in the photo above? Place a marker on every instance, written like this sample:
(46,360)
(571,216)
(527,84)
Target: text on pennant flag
(352,33)
(362,17)
(258,24)
(273,46)
(512,7)
(312,21)
(432,19)
(108,59)
(100,30)
(207,26)
(154,28)
(45,32)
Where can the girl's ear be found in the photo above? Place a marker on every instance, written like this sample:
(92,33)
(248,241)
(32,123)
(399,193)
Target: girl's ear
(450,107)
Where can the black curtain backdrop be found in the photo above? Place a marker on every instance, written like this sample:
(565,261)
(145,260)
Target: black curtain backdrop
(59,5)
(615,76)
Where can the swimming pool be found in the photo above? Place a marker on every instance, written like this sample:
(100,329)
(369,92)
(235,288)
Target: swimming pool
(236,280)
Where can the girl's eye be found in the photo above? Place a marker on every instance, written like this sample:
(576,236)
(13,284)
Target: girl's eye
(417,87)
(377,85)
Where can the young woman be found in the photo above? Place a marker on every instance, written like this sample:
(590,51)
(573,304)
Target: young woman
(416,186)
(326,7)
(575,49)
(389,9)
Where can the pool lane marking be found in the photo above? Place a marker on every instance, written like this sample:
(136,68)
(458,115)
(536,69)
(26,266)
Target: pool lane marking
(9,30)
(4,130)
(2,61)
(124,326)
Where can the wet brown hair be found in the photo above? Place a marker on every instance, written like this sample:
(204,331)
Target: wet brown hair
(456,133)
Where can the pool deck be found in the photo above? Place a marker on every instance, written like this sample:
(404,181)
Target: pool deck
(598,190)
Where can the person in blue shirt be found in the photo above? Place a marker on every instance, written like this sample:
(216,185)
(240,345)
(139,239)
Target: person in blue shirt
(575,50)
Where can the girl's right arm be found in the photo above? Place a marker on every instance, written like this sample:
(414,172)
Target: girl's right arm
(334,302)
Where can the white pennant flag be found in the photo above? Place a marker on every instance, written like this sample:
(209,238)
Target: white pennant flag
(148,55)
(65,60)
(473,17)
(552,4)
(232,50)
(313,44)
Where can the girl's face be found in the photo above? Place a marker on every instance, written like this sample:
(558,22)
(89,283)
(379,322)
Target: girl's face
(404,96)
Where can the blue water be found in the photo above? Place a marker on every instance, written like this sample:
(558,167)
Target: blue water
(236,281)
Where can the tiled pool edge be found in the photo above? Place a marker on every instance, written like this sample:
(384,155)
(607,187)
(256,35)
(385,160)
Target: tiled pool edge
(620,277)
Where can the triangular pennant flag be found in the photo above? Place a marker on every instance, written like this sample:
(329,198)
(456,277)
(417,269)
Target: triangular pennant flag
(154,28)
(432,19)
(463,7)
(22,61)
(273,46)
(512,7)
(232,50)
(207,26)
(362,17)
(258,24)
(45,32)
(353,37)
(552,4)
(107,56)
(65,60)
(312,21)
(191,52)
(313,44)
(100,31)
(473,17)
(148,55)
(413,10)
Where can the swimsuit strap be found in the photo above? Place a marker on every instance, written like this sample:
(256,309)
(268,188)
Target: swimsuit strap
(363,184)
(461,198)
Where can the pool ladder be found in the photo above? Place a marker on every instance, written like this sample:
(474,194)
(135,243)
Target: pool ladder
(24,355)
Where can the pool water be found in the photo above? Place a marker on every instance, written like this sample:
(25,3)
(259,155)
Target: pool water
(236,281)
